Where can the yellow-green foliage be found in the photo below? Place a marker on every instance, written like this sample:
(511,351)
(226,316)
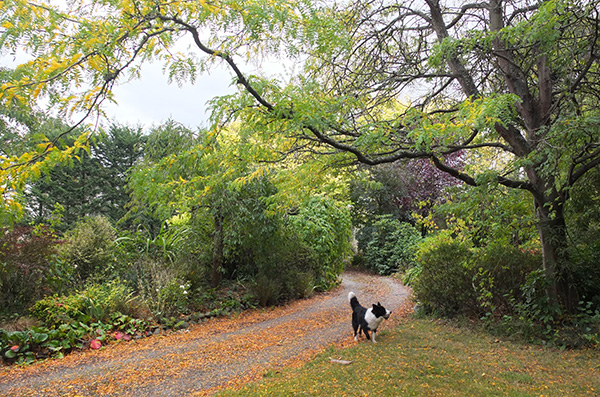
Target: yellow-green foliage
(97,302)
(86,246)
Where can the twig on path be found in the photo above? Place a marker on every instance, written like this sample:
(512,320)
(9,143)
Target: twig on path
(337,361)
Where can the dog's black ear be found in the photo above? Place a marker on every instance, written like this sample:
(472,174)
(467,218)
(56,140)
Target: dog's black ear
(378,304)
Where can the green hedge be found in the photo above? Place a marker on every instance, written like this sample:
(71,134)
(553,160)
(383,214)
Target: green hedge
(388,245)
(457,278)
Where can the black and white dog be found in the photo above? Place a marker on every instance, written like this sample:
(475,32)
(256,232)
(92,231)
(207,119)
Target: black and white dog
(366,319)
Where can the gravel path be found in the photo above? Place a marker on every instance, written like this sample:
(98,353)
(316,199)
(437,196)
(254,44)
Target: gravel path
(212,355)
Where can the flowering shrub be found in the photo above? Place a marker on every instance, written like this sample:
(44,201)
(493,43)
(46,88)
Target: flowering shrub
(172,298)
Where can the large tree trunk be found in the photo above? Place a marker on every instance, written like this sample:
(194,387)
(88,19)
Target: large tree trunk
(552,230)
(548,202)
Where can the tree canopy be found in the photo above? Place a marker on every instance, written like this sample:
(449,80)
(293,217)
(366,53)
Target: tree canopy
(381,81)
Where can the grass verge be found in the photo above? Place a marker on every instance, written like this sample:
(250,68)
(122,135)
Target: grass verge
(424,357)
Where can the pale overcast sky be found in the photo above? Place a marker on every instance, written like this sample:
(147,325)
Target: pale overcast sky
(152,100)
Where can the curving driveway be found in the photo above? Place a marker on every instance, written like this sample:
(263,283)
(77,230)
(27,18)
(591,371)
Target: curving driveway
(209,356)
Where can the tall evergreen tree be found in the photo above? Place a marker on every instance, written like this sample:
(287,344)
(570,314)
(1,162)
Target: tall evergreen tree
(94,184)
(117,151)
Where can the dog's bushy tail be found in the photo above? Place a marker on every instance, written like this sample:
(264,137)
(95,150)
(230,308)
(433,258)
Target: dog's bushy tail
(353,300)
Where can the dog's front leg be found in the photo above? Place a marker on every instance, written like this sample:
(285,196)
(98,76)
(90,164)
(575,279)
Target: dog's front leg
(374,332)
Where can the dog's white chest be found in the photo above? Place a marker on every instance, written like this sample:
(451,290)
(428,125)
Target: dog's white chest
(372,320)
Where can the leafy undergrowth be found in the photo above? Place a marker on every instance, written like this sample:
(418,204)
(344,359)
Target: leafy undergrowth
(424,357)
(40,342)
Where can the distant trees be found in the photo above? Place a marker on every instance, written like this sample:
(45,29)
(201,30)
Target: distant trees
(93,184)
(223,192)
(402,188)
